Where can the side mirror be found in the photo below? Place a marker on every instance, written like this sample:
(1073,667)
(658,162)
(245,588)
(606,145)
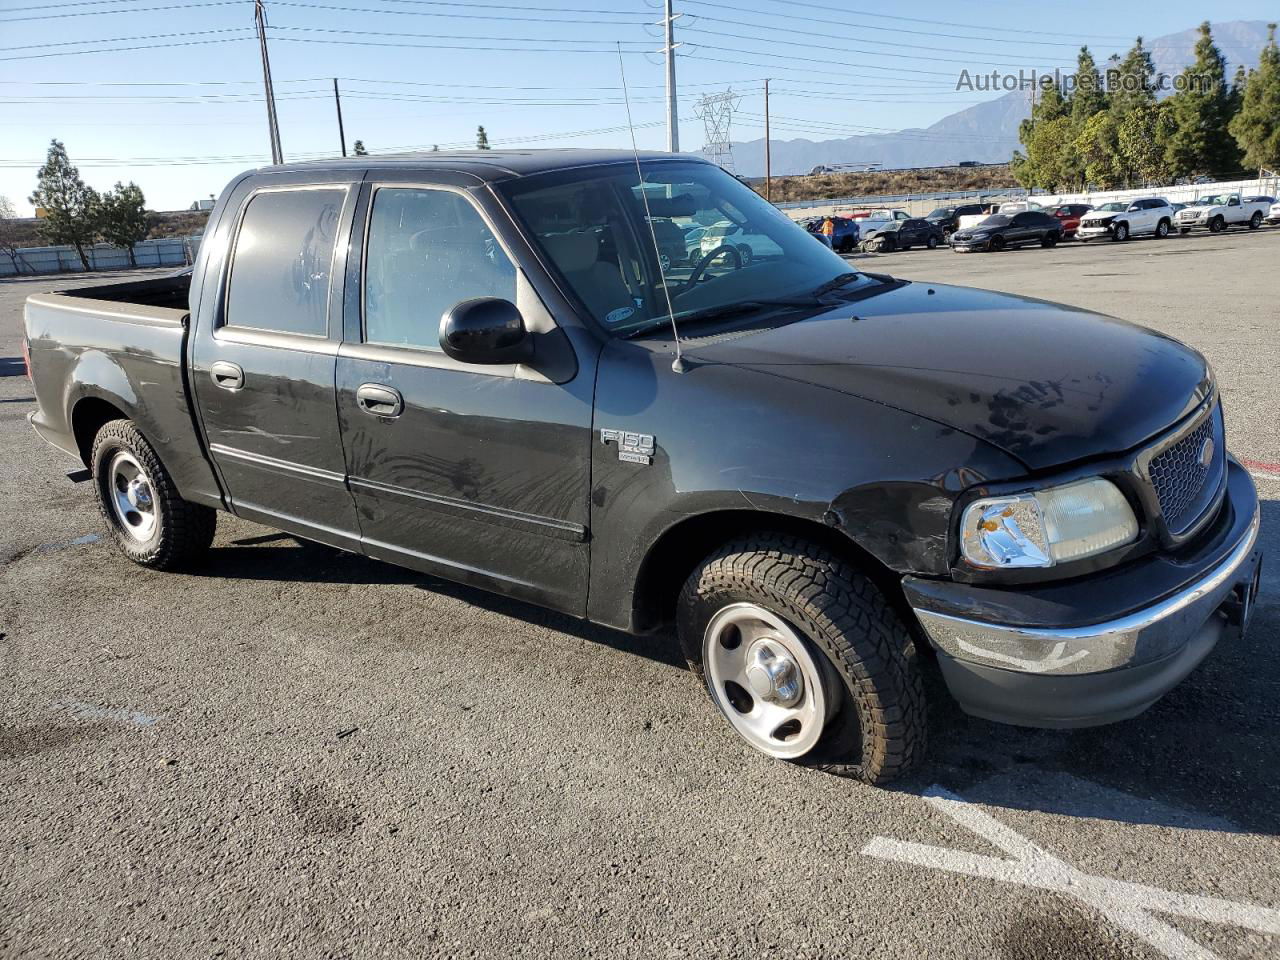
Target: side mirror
(485,330)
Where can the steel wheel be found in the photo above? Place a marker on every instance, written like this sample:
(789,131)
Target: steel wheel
(775,691)
(132,498)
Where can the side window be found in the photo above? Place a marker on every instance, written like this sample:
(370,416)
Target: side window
(282,262)
(426,251)
(1021,219)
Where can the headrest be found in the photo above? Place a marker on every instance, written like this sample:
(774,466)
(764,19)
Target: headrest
(572,252)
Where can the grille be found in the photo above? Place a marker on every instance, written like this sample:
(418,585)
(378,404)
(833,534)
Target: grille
(1183,485)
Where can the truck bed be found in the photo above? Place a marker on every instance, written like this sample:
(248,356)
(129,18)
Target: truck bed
(116,350)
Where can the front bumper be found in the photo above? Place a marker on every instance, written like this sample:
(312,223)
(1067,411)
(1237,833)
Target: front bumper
(1093,233)
(969,246)
(1044,657)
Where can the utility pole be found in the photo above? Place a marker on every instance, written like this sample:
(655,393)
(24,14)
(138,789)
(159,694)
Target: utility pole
(768,166)
(337,102)
(273,125)
(673,120)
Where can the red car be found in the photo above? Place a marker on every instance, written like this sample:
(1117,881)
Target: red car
(1069,215)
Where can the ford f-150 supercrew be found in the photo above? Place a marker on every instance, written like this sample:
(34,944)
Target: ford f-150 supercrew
(480,366)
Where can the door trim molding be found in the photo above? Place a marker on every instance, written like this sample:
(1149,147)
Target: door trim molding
(470,510)
(282,466)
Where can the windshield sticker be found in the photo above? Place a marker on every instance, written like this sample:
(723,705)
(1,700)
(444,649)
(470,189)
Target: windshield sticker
(617,316)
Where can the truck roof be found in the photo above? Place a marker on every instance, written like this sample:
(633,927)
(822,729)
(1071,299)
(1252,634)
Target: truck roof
(485,165)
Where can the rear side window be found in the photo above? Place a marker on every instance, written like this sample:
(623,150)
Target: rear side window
(283,259)
(427,250)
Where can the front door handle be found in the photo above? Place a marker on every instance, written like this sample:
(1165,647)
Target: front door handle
(379,401)
(227,375)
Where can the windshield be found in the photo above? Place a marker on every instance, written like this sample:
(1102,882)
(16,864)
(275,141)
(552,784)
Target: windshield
(591,224)
(1118,206)
(995,220)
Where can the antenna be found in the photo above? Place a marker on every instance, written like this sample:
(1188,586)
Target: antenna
(678,363)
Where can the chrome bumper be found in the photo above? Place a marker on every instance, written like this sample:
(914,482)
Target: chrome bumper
(1156,632)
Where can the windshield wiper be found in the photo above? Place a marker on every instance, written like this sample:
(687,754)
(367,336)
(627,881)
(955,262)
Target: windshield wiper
(835,283)
(726,310)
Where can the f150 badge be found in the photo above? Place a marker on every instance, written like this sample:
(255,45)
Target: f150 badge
(632,447)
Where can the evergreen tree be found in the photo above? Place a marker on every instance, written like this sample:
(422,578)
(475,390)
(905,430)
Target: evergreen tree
(482,139)
(359,150)
(70,207)
(1089,97)
(122,217)
(1047,135)
(1256,127)
(1131,82)
(1202,109)
(1140,138)
(1097,146)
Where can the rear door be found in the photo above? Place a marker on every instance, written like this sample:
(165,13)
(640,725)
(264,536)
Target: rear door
(263,359)
(476,473)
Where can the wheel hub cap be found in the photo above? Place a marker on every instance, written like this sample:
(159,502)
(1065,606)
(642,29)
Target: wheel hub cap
(774,689)
(773,674)
(131,498)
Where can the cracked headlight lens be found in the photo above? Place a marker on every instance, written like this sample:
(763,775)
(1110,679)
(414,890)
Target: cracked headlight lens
(1049,526)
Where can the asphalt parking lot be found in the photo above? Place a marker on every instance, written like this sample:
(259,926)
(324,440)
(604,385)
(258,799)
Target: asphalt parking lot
(295,752)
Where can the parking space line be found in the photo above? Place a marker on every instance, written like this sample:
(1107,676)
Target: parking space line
(1125,904)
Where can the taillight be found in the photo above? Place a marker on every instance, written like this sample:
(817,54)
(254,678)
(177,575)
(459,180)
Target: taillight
(26,356)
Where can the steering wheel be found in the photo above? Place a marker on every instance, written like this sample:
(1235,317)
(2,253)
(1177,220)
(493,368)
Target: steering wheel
(705,262)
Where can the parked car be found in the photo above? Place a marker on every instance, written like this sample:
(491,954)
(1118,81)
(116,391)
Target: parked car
(748,245)
(469,366)
(1068,215)
(1122,219)
(888,235)
(1273,214)
(947,219)
(1001,231)
(1224,210)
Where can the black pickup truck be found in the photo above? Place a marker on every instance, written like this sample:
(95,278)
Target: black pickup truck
(469,365)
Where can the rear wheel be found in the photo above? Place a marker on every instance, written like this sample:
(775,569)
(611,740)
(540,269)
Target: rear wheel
(804,657)
(1120,233)
(1050,239)
(1256,220)
(150,523)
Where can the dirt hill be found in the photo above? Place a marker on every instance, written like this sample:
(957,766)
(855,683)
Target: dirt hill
(175,223)
(822,186)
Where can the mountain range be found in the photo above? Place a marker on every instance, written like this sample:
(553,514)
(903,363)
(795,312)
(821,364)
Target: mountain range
(985,132)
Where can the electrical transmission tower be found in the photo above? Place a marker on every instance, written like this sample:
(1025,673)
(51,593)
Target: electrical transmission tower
(716,111)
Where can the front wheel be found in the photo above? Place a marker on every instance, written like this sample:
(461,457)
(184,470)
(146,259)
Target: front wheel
(150,523)
(1217,224)
(1162,229)
(1184,230)
(1255,221)
(997,244)
(805,658)
(1121,232)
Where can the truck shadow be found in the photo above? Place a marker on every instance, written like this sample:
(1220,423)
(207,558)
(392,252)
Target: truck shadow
(280,557)
(1203,757)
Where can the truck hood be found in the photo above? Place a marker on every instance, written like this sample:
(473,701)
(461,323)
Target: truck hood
(1046,383)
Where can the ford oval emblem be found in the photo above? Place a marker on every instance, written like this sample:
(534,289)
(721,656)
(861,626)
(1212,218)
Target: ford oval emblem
(1206,452)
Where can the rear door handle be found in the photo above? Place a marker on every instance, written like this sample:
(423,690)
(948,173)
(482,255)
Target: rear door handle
(379,401)
(227,375)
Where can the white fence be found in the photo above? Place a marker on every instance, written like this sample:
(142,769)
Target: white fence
(1259,186)
(164,252)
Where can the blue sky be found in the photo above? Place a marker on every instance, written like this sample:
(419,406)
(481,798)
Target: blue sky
(167,92)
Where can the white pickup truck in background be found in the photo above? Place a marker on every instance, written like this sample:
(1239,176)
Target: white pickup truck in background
(1218,213)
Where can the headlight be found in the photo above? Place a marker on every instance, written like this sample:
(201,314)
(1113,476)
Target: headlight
(1049,526)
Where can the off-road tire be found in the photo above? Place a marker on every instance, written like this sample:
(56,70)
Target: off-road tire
(183,530)
(879,730)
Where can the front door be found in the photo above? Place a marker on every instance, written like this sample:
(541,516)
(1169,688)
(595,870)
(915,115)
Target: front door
(263,362)
(477,473)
